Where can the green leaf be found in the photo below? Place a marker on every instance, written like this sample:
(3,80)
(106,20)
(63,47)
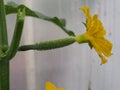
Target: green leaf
(12,8)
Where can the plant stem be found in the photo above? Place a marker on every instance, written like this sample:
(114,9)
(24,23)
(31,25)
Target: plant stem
(4,64)
(3,28)
(4,75)
(12,50)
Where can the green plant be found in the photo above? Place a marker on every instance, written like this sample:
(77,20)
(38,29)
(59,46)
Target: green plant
(7,52)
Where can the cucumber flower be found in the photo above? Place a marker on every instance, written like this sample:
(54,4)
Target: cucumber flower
(95,36)
(50,86)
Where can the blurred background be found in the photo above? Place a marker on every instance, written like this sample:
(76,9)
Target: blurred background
(75,67)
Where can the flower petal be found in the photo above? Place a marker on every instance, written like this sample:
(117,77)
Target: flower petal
(50,86)
(86,11)
(96,28)
(103,60)
(95,35)
(105,46)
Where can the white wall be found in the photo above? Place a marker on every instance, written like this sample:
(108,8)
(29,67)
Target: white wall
(75,67)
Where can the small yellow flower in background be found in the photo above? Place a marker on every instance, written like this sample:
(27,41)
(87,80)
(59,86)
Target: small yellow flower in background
(95,35)
(50,86)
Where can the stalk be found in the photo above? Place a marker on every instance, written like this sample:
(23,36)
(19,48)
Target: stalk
(4,75)
(3,28)
(12,50)
(4,64)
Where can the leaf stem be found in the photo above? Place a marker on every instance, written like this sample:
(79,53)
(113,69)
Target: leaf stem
(11,8)
(17,35)
(3,28)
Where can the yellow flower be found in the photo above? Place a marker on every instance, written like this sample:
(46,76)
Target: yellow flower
(50,86)
(95,35)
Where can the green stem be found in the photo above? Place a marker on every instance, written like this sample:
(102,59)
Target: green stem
(3,28)
(47,45)
(4,75)
(4,64)
(12,50)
